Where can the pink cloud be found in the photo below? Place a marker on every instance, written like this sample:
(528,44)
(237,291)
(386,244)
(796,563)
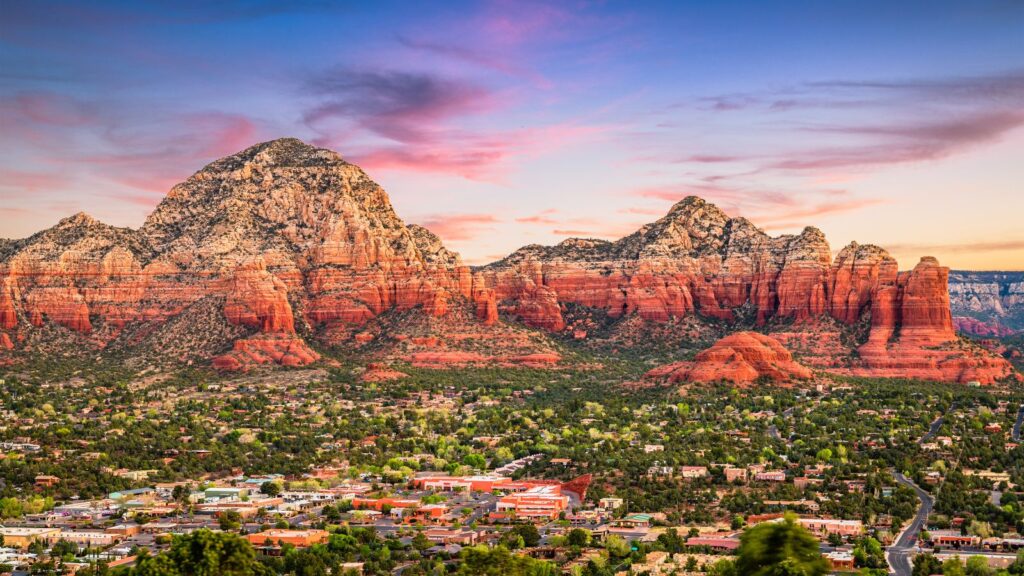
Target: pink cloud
(544,217)
(769,209)
(511,23)
(459,227)
(968,247)
(482,157)
(31,181)
(472,164)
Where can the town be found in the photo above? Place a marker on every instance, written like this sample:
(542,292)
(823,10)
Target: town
(356,470)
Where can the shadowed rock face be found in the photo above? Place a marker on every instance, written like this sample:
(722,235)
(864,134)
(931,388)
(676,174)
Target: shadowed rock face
(289,239)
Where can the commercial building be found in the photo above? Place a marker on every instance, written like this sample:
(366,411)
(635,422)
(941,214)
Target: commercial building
(297,538)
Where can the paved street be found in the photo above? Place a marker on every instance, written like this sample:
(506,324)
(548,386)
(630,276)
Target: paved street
(898,555)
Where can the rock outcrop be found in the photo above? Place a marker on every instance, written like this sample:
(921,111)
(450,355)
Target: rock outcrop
(292,245)
(740,358)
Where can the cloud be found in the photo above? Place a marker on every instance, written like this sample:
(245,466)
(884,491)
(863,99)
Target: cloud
(769,209)
(135,149)
(29,181)
(495,60)
(967,247)
(406,107)
(480,156)
(49,108)
(459,227)
(1007,87)
(509,22)
(599,229)
(873,123)
(543,217)
(469,163)
(912,141)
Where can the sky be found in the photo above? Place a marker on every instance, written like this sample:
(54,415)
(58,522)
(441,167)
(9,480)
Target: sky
(499,124)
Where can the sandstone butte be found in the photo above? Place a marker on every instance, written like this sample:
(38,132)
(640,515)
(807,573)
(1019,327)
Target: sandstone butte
(739,358)
(260,253)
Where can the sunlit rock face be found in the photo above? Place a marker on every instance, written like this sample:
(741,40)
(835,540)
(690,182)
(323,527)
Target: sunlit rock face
(740,358)
(295,246)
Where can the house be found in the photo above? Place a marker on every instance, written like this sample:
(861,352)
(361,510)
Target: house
(733,474)
(658,471)
(803,482)
(693,471)
(451,536)
(716,544)
(635,521)
(46,481)
(840,560)
(828,526)
(610,503)
(134,475)
(770,476)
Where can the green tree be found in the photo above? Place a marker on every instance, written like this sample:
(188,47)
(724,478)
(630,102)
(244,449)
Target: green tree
(926,565)
(420,541)
(578,537)
(978,566)
(271,489)
(616,546)
(229,520)
(953,567)
(780,549)
(498,561)
(160,565)
(204,553)
(530,534)
(868,553)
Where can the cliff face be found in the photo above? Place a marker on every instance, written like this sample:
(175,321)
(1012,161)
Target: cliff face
(290,242)
(987,303)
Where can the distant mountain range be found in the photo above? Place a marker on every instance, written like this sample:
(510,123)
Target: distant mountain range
(284,249)
(987,303)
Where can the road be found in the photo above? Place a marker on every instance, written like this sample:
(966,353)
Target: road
(936,425)
(1018,424)
(898,555)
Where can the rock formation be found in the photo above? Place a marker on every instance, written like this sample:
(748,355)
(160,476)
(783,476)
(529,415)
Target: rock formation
(293,245)
(740,358)
(987,303)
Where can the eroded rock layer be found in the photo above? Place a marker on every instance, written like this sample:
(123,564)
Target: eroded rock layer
(740,358)
(296,245)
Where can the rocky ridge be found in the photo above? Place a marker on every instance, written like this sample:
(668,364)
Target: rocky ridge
(295,245)
(987,303)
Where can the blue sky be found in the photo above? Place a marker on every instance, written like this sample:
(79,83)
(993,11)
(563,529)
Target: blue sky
(498,124)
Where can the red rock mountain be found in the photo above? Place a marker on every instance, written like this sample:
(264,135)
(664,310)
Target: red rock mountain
(740,358)
(283,244)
